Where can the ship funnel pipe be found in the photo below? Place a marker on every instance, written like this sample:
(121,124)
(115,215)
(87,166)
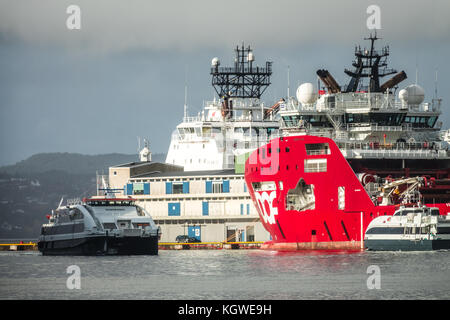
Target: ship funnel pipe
(392,82)
(328,80)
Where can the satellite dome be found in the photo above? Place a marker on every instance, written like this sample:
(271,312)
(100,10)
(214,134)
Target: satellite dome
(416,94)
(306,93)
(250,56)
(403,95)
(215,62)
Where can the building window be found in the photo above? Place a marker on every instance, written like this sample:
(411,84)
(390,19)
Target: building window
(218,186)
(138,188)
(177,187)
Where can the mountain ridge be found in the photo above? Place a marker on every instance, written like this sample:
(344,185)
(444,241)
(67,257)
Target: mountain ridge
(33,187)
(74,163)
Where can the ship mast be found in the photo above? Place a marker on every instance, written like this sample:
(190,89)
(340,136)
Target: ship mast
(243,80)
(372,64)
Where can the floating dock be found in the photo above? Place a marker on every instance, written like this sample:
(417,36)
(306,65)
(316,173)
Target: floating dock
(32,246)
(21,246)
(210,245)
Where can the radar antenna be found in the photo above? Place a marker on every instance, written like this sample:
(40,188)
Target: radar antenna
(244,80)
(372,64)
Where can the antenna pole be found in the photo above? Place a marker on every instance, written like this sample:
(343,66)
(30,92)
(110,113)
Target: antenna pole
(139,144)
(435,85)
(185,101)
(416,73)
(288,83)
(185,95)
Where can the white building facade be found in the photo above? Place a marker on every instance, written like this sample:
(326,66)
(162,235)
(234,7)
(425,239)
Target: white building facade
(210,206)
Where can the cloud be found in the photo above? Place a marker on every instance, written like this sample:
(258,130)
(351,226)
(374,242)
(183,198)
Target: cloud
(113,25)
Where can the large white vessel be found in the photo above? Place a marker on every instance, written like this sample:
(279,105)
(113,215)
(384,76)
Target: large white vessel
(228,127)
(381,132)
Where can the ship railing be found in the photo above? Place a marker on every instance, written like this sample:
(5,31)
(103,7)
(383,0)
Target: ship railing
(192,119)
(377,101)
(236,118)
(395,150)
(433,146)
(393,154)
(434,106)
(234,139)
(233,70)
(341,135)
(365,100)
(376,127)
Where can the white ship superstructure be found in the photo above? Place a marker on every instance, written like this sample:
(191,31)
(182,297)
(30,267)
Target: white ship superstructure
(370,121)
(233,125)
(360,121)
(409,229)
(210,142)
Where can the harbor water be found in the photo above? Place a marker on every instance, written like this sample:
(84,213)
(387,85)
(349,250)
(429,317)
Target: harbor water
(229,274)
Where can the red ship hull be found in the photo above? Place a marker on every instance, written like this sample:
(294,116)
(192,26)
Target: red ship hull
(308,196)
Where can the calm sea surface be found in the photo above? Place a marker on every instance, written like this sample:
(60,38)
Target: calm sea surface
(228,274)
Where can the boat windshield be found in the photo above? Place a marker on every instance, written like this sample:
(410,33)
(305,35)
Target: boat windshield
(108,203)
(426,211)
(434,211)
(404,212)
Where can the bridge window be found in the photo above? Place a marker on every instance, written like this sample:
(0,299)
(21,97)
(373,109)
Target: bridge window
(76,214)
(317,149)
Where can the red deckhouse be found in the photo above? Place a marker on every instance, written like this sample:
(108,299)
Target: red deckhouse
(308,196)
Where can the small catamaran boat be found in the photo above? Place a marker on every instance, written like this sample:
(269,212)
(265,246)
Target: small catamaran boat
(99,226)
(409,229)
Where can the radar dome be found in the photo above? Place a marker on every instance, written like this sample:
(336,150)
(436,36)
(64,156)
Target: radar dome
(215,62)
(306,93)
(416,94)
(403,95)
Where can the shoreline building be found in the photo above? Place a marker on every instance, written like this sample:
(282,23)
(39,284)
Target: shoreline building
(212,205)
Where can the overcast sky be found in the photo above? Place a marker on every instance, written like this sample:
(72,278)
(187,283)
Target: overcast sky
(122,75)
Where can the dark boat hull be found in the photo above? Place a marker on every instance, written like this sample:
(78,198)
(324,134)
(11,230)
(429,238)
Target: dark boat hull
(102,245)
(406,245)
